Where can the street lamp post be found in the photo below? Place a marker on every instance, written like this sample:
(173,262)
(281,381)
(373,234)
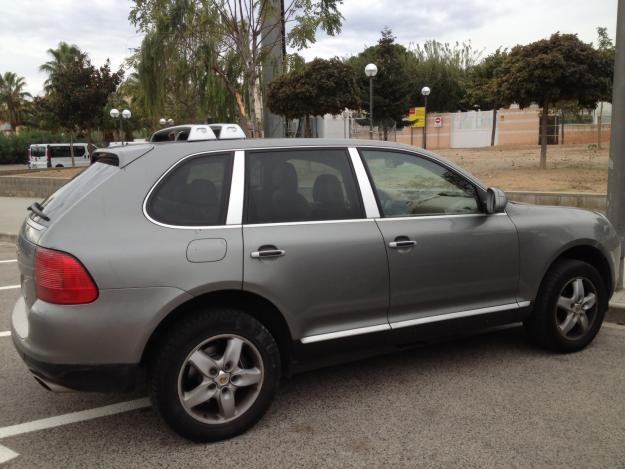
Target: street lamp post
(371,71)
(425,91)
(125,114)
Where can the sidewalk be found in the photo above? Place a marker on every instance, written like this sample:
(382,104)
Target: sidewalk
(12,214)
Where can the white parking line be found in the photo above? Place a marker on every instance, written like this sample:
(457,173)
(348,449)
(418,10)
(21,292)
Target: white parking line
(8,261)
(74,417)
(5,333)
(10,287)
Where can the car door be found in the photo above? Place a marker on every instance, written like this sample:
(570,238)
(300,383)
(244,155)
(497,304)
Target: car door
(308,247)
(447,258)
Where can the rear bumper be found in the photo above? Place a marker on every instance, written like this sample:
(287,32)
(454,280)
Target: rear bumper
(62,378)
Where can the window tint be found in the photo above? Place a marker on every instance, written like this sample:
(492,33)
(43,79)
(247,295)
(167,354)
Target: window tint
(300,185)
(408,185)
(64,151)
(195,193)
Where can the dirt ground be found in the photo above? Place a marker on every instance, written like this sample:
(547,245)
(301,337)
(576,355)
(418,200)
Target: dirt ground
(570,168)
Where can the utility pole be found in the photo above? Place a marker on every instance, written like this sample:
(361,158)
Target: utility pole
(616,164)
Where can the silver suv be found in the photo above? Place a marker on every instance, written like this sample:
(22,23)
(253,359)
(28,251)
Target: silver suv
(211,269)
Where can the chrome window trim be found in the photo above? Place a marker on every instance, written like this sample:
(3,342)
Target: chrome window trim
(451,215)
(459,314)
(346,333)
(413,322)
(237,189)
(311,222)
(171,168)
(366,191)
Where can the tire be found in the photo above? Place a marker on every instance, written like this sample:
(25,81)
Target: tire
(563,300)
(176,377)
(59,166)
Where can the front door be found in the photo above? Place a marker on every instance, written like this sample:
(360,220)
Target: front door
(308,247)
(446,256)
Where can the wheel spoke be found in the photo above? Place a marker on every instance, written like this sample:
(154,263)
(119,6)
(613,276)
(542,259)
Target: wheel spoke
(568,323)
(578,289)
(565,303)
(198,395)
(246,377)
(589,301)
(583,322)
(232,354)
(202,362)
(225,399)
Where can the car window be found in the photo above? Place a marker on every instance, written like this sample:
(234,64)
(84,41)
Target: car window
(37,151)
(65,152)
(410,185)
(195,193)
(300,185)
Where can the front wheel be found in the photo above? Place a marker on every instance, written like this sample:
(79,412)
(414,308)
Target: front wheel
(570,307)
(215,375)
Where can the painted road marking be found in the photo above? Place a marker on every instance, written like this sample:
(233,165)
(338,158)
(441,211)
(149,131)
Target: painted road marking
(8,261)
(10,287)
(5,333)
(6,454)
(73,417)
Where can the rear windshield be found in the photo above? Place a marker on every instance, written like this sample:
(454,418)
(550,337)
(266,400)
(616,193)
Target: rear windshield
(64,151)
(37,151)
(64,198)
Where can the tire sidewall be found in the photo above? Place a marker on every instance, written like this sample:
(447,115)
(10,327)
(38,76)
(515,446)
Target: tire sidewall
(165,373)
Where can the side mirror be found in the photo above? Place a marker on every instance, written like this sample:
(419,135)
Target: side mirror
(496,200)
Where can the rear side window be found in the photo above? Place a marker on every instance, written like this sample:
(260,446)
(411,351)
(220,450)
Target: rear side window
(300,185)
(37,151)
(194,193)
(64,151)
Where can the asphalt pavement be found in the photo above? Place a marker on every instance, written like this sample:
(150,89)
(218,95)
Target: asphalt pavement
(489,401)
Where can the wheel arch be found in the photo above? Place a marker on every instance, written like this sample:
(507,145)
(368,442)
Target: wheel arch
(253,304)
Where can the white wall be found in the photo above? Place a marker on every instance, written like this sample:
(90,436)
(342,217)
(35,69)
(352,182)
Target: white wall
(472,129)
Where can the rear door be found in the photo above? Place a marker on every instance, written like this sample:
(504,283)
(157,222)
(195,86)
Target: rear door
(308,246)
(447,258)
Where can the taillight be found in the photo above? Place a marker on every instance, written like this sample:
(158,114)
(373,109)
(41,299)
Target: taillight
(60,278)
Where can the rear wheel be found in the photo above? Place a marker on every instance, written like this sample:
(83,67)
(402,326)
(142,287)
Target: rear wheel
(59,166)
(215,375)
(570,307)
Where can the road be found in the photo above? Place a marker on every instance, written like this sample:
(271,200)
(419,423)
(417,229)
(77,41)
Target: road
(488,401)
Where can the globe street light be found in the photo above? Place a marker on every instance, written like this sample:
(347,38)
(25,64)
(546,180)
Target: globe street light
(162,121)
(371,70)
(425,91)
(170,121)
(125,114)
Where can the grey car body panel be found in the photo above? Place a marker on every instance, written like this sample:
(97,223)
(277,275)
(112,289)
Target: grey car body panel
(334,276)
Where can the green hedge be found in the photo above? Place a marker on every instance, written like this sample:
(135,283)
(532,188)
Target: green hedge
(14,147)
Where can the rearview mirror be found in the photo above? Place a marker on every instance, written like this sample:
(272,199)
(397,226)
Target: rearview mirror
(496,200)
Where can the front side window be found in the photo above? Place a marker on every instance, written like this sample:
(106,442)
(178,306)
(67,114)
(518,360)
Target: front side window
(409,185)
(300,185)
(195,193)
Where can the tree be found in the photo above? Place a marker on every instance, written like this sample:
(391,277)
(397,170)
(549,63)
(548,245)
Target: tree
(64,54)
(13,98)
(483,87)
(392,85)
(221,31)
(320,87)
(607,52)
(550,70)
(78,93)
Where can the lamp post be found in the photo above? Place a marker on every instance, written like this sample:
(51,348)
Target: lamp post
(125,114)
(162,121)
(425,91)
(371,70)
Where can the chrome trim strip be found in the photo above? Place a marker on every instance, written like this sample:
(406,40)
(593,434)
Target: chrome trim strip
(171,168)
(524,304)
(345,333)
(314,222)
(459,314)
(451,215)
(34,224)
(237,188)
(366,191)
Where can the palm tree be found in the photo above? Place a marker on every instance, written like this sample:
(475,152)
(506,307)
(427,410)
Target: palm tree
(65,53)
(13,98)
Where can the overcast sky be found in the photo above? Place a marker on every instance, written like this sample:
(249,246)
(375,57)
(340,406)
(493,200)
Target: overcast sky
(29,27)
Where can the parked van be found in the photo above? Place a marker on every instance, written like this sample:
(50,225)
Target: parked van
(57,155)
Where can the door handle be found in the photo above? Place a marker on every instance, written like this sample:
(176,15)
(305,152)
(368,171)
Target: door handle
(402,244)
(267,253)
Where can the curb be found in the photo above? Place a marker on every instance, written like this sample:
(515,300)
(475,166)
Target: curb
(616,313)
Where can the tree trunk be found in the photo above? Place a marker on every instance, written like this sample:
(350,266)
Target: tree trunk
(243,118)
(385,133)
(599,125)
(494,126)
(562,127)
(71,147)
(543,135)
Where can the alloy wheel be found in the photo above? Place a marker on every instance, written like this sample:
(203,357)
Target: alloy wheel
(576,309)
